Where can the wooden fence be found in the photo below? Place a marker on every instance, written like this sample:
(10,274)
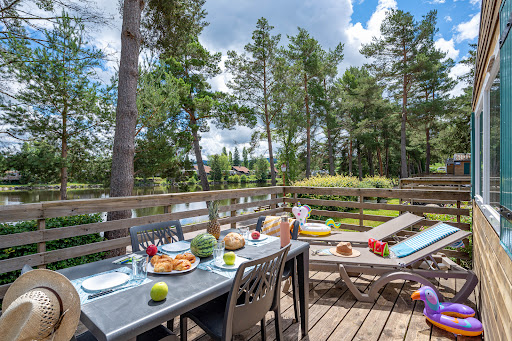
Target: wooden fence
(437,182)
(274,196)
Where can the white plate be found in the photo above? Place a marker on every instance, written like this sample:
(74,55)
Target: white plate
(105,281)
(176,246)
(238,261)
(151,269)
(262,237)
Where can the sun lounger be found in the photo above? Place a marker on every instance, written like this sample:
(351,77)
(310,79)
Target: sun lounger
(381,232)
(404,268)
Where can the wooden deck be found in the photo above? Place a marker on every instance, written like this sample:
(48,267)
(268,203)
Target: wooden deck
(334,314)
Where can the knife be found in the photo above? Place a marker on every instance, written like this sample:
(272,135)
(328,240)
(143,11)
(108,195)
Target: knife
(106,292)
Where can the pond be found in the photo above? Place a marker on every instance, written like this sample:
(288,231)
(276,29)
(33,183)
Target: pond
(25,197)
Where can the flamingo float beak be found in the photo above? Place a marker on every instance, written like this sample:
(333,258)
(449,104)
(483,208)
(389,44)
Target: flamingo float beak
(415,295)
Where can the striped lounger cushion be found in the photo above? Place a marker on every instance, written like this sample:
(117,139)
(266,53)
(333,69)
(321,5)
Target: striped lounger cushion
(422,240)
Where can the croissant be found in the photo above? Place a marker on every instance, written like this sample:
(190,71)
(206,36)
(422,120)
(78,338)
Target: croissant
(155,259)
(182,264)
(164,266)
(188,256)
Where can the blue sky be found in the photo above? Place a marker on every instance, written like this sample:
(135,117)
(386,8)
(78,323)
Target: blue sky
(352,22)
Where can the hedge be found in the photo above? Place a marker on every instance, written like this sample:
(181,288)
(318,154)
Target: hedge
(51,223)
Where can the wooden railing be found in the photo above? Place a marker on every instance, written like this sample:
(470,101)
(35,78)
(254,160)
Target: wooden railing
(286,196)
(437,182)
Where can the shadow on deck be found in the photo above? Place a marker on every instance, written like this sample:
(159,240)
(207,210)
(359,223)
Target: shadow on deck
(334,314)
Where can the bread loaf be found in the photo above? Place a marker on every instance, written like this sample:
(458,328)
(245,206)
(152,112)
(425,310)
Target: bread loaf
(234,241)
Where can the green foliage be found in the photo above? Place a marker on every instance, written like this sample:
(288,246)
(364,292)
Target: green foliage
(243,178)
(219,165)
(262,169)
(245,158)
(51,223)
(38,162)
(234,178)
(236,157)
(340,181)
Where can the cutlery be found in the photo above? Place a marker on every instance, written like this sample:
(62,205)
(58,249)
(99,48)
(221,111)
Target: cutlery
(106,292)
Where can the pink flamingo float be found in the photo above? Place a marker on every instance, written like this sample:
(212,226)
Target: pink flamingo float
(453,317)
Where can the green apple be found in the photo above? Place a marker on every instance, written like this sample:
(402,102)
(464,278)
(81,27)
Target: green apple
(229,258)
(159,291)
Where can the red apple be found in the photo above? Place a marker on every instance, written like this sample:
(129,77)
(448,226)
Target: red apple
(255,235)
(151,250)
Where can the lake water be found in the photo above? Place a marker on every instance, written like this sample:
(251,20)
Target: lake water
(25,197)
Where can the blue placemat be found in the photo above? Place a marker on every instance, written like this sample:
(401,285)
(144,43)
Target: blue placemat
(84,295)
(269,240)
(210,266)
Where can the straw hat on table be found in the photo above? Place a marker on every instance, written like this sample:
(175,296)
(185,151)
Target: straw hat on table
(40,305)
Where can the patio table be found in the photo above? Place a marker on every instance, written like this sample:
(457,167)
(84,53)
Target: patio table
(126,314)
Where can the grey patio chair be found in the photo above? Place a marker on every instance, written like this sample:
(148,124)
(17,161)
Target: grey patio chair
(159,333)
(404,268)
(381,232)
(157,233)
(290,266)
(252,295)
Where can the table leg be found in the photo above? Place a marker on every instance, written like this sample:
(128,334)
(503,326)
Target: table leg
(303,274)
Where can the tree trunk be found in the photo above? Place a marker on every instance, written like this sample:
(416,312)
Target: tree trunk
(350,151)
(330,150)
(308,128)
(379,157)
(359,163)
(387,161)
(427,161)
(64,160)
(121,180)
(267,126)
(403,150)
(370,161)
(199,159)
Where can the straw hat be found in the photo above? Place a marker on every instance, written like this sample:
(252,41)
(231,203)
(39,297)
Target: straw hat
(344,249)
(40,305)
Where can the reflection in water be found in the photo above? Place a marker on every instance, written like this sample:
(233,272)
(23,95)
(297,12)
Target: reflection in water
(25,197)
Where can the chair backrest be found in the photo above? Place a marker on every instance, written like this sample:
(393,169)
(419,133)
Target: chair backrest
(294,234)
(395,225)
(254,292)
(157,233)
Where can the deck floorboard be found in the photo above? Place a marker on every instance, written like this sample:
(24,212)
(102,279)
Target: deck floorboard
(335,314)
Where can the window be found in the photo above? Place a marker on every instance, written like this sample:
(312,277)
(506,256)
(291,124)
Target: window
(494,144)
(481,155)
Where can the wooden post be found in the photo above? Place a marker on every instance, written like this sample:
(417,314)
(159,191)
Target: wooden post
(233,213)
(41,247)
(458,215)
(167,209)
(273,196)
(361,211)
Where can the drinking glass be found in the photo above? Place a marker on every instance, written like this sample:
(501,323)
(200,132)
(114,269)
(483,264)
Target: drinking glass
(139,268)
(218,252)
(244,231)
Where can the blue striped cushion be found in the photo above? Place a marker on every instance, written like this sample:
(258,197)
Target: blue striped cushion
(422,240)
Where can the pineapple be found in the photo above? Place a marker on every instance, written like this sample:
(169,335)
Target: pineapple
(213,227)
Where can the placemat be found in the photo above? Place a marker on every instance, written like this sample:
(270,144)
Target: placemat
(84,295)
(210,266)
(269,240)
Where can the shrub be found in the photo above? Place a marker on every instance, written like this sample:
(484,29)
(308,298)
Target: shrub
(51,223)
(243,178)
(234,178)
(340,181)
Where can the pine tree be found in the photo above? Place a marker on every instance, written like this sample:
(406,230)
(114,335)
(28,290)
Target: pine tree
(236,157)
(245,157)
(59,101)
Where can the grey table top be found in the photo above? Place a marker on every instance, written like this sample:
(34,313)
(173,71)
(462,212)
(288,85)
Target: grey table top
(126,314)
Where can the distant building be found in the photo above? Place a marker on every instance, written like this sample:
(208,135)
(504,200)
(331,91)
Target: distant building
(240,170)
(207,169)
(460,164)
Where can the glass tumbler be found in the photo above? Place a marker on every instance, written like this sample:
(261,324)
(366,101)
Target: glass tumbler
(218,252)
(244,231)
(139,268)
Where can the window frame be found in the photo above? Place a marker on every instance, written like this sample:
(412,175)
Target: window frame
(483,108)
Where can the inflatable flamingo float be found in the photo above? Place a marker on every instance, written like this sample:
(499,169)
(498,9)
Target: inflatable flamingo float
(453,317)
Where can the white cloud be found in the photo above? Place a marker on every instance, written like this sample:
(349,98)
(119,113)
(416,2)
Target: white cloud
(437,2)
(448,18)
(447,46)
(457,71)
(474,2)
(468,30)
